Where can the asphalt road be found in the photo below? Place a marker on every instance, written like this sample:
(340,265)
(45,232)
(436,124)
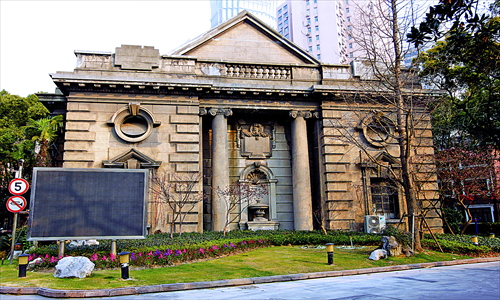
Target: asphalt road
(470,281)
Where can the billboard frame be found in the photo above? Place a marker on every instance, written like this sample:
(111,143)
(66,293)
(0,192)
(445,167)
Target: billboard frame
(33,196)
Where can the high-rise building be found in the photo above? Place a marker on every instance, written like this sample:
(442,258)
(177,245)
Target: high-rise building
(223,10)
(329,29)
(317,26)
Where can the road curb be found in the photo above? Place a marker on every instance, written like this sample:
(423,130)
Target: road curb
(172,287)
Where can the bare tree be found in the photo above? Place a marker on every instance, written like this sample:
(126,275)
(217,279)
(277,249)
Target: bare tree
(388,105)
(178,192)
(237,197)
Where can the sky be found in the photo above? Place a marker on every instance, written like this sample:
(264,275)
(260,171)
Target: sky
(40,37)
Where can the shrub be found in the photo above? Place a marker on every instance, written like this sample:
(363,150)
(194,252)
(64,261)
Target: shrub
(454,218)
(403,238)
(456,247)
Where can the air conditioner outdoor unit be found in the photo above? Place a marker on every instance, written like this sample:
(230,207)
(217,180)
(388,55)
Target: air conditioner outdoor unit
(374,224)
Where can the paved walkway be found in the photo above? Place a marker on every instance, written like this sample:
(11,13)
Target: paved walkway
(460,279)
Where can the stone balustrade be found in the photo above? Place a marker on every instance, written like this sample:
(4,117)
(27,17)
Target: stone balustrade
(258,71)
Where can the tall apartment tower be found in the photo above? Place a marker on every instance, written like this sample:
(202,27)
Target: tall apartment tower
(320,27)
(222,10)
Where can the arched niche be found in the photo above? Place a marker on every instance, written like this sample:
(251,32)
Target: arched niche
(265,176)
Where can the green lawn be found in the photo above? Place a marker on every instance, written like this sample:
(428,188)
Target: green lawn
(260,262)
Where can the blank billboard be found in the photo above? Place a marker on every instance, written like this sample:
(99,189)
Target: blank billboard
(80,204)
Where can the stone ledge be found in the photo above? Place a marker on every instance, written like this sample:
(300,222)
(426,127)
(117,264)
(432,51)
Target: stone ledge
(123,291)
(149,289)
(53,293)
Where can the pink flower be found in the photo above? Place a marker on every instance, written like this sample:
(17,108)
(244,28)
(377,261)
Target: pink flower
(140,253)
(104,257)
(202,251)
(184,250)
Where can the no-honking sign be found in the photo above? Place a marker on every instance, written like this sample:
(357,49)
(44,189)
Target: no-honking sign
(16,204)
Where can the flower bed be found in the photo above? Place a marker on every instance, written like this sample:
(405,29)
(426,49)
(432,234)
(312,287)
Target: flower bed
(160,256)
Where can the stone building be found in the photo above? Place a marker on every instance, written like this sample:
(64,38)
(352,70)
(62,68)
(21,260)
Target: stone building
(238,104)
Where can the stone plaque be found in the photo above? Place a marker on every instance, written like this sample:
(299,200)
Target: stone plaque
(131,57)
(256,141)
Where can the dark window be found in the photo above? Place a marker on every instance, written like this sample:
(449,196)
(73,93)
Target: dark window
(385,198)
(482,214)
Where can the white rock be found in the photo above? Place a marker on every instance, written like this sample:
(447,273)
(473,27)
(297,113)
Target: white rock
(79,266)
(378,254)
(32,263)
(16,254)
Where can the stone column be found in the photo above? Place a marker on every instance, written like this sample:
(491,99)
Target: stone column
(220,164)
(302,200)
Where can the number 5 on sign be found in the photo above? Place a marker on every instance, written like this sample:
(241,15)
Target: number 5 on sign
(18,186)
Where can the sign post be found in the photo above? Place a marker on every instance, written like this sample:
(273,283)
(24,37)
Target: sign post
(15,204)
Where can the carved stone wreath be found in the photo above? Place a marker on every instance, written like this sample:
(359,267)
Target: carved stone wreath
(133,123)
(377,129)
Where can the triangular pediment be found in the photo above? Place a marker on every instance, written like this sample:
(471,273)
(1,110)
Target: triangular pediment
(382,158)
(245,38)
(131,159)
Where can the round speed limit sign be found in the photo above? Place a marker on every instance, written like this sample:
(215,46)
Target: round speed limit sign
(18,186)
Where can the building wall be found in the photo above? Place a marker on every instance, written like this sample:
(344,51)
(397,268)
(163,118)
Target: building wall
(90,140)
(202,90)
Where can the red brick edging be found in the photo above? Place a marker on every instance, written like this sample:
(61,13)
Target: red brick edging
(171,287)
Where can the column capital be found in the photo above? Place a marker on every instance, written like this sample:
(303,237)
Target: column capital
(300,113)
(220,111)
(203,111)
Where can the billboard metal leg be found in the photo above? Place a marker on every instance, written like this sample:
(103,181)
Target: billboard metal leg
(61,248)
(13,239)
(113,247)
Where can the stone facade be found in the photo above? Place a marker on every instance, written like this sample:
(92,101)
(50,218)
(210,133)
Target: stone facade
(238,104)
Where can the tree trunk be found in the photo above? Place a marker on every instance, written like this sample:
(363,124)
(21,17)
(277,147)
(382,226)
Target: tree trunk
(404,138)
